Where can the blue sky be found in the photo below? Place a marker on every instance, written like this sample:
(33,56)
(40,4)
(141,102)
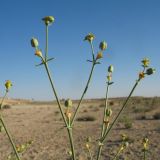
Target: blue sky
(130,27)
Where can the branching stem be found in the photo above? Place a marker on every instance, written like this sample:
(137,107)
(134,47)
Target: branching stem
(6,130)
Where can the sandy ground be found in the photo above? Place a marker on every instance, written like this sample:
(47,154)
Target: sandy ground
(42,123)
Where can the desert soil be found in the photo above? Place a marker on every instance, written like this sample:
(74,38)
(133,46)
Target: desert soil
(42,124)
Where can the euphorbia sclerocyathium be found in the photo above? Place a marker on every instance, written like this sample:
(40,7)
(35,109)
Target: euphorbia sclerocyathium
(68,116)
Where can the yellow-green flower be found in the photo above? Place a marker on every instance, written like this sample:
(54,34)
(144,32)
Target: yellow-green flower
(99,55)
(145,62)
(145,140)
(103,45)
(8,84)
(48,19)
(90,37)
(145,143)
(34,42)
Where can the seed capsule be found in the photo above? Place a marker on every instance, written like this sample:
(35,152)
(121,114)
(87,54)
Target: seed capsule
(68,103)
(150,71)
(34,42)
(108,112)
(126,144)
(103,45)
(48,19)
(110,69)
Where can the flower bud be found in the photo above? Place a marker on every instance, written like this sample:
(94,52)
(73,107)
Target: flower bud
(122,148)
(87,146)
(141,75)
(99,55)
(150,71)
(103,45)
(124,136)
(34,42)
(89,37)
(109,77)
(145,140)
(108,112)
(8,84)
(89,139)
(68,103)
(48,20)
(145,62)
(38,53)
(145,143)
(70,153)
(69,114)
(106,122)
(126,144)
(110,69)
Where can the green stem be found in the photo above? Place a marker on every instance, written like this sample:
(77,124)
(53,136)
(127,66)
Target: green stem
(105,109)
(61,110)
(55,93)
(90,154)
(99,152)
(103,125)
(6,130)
(46,50)
(44,60)
(124,105)
(10,138)
(115,157)
(144,155)
(86,88)
(69,129)
(92,48)
(3,101)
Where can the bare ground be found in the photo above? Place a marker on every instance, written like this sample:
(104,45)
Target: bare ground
(42,123)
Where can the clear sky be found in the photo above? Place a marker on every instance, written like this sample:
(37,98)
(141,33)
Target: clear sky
(130,27)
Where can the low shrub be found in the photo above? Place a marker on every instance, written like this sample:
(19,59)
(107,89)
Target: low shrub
(86,118)
(156,115)
(6,106)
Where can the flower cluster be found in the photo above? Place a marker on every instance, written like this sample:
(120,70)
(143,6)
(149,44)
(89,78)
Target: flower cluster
(68,104)
(102,46)
(110,71)
(48,20)
(146,69)
(145,144)
(8,85)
